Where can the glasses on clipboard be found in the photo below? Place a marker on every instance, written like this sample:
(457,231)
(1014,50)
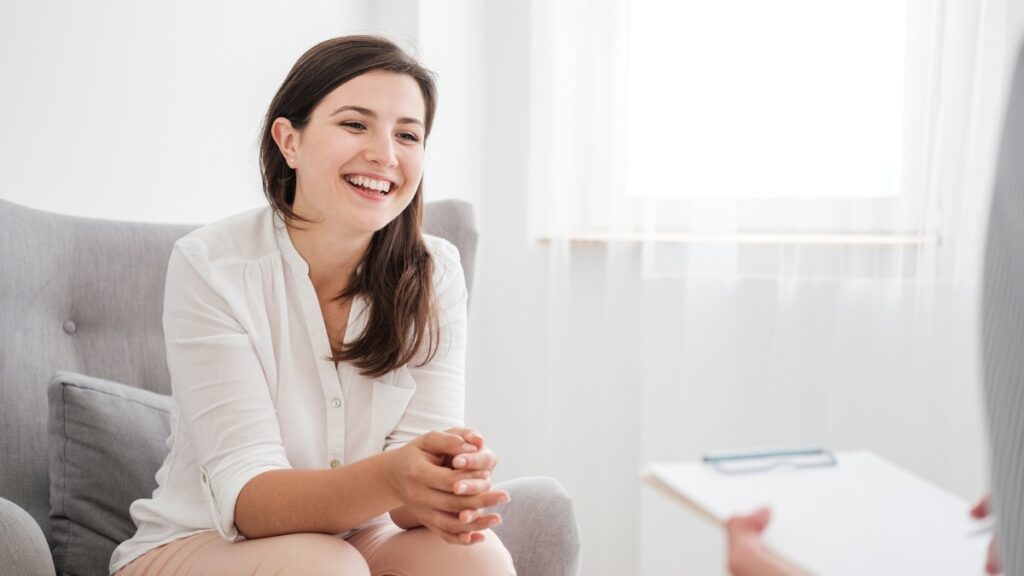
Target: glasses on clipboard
(753,461)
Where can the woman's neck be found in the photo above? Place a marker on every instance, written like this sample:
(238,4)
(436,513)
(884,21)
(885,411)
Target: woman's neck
(332,257)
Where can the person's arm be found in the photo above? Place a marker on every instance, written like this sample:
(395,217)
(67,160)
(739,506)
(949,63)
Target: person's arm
(218,384)
(331,501)
(328,501)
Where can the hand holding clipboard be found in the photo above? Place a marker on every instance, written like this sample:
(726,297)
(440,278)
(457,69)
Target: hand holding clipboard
(856,515)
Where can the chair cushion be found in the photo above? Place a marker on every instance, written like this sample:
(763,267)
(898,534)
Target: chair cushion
(107,440)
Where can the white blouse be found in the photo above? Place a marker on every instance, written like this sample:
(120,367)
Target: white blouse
(253,383)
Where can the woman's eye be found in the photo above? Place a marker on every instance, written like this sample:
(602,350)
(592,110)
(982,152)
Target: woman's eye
(354,125)
(409,136)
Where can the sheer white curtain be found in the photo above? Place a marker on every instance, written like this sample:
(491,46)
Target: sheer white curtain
(685,327)
(583,73)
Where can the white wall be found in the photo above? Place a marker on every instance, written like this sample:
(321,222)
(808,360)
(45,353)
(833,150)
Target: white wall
(152,111)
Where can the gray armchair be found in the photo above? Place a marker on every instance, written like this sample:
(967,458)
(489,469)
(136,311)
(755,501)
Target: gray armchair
(85,296)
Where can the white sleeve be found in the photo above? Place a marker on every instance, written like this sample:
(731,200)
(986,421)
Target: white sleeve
(220,388)
(439,400)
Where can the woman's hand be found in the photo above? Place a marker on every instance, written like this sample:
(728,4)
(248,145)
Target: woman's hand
(482,461)
(478,465)
(981,510)
(448,501)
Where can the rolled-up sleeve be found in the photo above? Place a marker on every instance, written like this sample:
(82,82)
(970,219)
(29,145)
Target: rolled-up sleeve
(219,386)
(439,400)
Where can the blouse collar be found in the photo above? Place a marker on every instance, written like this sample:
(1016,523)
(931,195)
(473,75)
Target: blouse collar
(284,242)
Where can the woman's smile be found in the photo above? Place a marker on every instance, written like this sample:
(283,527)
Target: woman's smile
(372,187)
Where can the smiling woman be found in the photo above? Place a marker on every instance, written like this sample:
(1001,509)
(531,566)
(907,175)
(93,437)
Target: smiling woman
(344,147)
(357,164)
(317,350)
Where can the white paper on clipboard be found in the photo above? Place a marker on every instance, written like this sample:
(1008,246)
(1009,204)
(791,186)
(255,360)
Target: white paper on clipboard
(863,515)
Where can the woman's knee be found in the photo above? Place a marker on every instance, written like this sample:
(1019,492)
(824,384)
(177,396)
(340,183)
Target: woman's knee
(319,555)
(419,552)
(286,555)
(487,557)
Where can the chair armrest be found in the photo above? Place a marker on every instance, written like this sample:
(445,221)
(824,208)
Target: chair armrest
(539,527)
(23,548)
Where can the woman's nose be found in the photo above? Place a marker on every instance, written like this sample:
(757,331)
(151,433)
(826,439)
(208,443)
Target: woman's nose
(381,151)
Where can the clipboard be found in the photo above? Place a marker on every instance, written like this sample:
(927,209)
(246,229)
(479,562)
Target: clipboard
(858,515)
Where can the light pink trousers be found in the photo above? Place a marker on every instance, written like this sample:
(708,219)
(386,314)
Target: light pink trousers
(381,549)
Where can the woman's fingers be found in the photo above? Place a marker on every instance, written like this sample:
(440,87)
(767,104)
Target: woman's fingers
(484,459)
(469,533)
(447,480)
(445,525)
(445,444)
(462,448)
(456,504)
(469,435)
(482,522)
(451,490)
(472,515)
(471,538)
(453,530)
(442,528)
(470,486)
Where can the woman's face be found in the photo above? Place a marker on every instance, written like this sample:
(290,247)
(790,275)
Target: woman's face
(359,159)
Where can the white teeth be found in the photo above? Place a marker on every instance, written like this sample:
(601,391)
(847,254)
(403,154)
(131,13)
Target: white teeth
(382,186)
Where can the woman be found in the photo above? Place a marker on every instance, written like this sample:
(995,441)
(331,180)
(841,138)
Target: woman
(317,349)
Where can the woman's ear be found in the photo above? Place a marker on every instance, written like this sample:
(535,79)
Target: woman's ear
(287,139)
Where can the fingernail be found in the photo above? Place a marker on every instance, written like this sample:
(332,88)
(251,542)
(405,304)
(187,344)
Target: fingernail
(467,447)
(459,461)
(461,488)
(470,517)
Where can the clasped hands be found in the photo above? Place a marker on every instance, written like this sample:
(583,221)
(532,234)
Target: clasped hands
(444,481)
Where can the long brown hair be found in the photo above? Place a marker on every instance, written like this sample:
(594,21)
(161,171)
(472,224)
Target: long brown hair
(396,272)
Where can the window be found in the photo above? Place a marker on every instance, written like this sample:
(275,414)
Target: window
(766,99)
(787,116)
(795,119)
